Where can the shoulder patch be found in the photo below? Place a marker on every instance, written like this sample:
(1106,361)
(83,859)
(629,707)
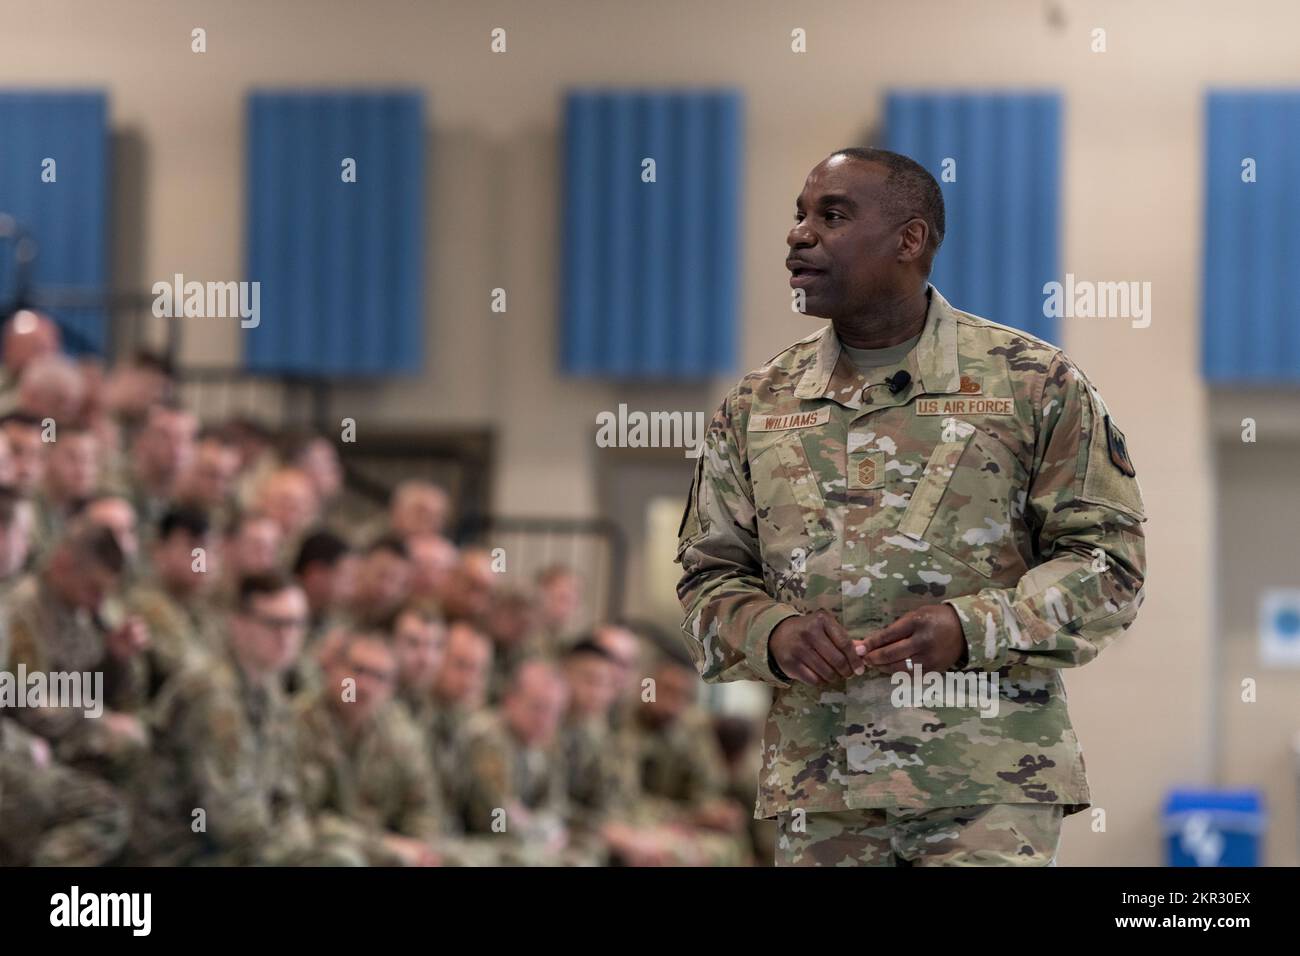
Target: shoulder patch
(1108,473)
(1118,449)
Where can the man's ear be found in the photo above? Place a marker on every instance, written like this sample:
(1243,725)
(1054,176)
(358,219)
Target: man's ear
(912,240)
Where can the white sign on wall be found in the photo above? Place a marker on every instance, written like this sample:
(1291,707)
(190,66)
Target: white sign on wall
(1279,628)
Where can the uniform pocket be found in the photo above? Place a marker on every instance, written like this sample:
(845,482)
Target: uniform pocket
(692,526)
(791,510)
(968,503)
(930,489)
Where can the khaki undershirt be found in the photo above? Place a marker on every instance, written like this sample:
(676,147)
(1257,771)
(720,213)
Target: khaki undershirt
(868,359)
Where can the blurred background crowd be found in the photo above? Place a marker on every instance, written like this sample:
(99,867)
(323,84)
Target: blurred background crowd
(290,680)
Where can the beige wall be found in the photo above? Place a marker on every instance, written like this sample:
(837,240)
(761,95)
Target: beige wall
(1132,210)
(1259,520)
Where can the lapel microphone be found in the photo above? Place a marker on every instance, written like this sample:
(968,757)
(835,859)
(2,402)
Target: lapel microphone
(898,381)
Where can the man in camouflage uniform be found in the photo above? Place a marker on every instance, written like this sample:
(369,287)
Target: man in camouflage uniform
(458,690)
(605,765)
(601,763)
(51,815)
(559,602)
(511,622)
(680,773)
(324,568)
(601,780)
(15,538)
(54,626)
(71,474)
(173,605)
(673,747)
(625,649)
(516,787)
(419,644)
(383,576)
(27,454)
(117,515)
(250,547)
(420,640)
(161,452)
(366,774)
(223,785)
(968,506)
(208,484)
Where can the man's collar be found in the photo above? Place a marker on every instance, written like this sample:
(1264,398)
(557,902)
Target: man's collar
(833,375)
(258,689)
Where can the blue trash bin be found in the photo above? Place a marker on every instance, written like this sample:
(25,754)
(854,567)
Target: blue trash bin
(1213,827)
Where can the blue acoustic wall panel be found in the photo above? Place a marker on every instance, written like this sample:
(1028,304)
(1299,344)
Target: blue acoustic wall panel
(340,263)
(1250,328)
(66,215)
(1002,242)
(650,283)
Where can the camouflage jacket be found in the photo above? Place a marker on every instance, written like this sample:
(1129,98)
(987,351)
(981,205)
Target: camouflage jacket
(177,632)
(993,481)
(679,763)
(228,746)
(48,635)
(374,781)
(602,777)
(503,774)
(444,727)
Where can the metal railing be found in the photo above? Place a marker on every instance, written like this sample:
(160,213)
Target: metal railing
(595,548)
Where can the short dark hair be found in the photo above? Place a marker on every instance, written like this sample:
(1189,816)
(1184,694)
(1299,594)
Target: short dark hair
(157,361)
(241,427)
(909,191)
(192,521)
(258,585)
(391,543)
(320,547)
(673,657)
(94,544)
(586,646)
(25,419)
(294,444)
(171,404)
(217,433)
